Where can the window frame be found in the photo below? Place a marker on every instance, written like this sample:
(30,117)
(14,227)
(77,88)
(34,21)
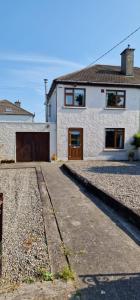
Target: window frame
(73,89)
(115,138)
(116,106)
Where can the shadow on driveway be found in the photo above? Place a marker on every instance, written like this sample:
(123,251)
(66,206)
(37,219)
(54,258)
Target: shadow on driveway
(123,286)
(130,169)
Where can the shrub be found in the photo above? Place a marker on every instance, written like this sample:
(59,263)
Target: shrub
(29,280)
(66,274)
(44,275)
(136,140)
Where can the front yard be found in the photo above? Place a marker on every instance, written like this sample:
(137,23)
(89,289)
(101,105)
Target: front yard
(120,179)
(79,234)
(24,248)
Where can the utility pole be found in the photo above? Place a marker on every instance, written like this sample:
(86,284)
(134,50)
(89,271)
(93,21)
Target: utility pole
(46,100)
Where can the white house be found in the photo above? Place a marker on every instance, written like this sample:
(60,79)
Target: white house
(12,112)
(96,110)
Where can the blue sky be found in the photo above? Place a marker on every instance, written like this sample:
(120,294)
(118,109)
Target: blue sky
(48,38)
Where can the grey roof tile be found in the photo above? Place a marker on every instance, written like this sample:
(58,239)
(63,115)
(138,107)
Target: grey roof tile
(99,74)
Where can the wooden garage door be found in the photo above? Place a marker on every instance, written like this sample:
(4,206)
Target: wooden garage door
(32,146)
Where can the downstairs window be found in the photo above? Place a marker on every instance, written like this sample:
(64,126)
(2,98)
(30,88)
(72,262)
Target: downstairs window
(114,138)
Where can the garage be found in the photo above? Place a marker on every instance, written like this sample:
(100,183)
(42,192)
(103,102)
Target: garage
(32,146)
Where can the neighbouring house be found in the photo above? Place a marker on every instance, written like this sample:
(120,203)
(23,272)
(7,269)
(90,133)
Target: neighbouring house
(21,139)
(13,112)
(96,110)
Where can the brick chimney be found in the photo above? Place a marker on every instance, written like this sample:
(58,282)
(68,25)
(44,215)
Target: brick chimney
(18,103)
(127,61)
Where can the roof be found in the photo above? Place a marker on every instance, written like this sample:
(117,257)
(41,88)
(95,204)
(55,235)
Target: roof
(9,108)
(99,75)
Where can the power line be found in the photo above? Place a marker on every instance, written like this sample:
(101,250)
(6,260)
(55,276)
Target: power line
(123,40)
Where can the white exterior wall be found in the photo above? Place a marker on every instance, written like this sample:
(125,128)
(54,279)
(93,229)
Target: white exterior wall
(94,119)
(16,118)
(53,116)
(8,136)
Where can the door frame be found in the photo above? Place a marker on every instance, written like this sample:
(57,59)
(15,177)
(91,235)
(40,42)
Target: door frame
(81,133)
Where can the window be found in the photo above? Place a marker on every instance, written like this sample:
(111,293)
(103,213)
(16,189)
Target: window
(75,97)
(114,138)
(115,98)
(75,138)
(8,109)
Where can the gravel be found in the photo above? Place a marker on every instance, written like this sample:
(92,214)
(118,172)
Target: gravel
(24,245)
(120,179)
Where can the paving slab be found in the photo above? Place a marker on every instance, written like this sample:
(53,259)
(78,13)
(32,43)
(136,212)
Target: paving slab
(104,257)
(55,245)
(56,290)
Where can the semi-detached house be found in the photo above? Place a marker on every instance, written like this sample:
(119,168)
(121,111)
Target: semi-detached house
(96,110)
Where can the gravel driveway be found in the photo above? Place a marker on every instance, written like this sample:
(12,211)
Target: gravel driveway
(120,179)
(24,246)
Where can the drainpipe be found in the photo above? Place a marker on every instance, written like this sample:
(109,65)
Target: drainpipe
(46,100)
(139,115)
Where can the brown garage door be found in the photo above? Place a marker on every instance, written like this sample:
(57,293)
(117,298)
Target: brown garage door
(32,146)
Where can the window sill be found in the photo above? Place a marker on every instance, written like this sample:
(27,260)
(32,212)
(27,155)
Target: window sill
(113,150)
(74,107)
(115,108)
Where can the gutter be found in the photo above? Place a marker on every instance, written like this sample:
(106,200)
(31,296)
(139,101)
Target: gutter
(89,83)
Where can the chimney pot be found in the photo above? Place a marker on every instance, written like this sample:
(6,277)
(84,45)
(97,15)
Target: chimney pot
(127,61)
(18,103)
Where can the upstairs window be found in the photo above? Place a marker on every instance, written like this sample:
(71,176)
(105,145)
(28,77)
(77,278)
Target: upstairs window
(114,138)
(115,98)
(75,97)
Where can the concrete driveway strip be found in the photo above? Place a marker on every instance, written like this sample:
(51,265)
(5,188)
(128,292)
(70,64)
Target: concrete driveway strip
(105,258)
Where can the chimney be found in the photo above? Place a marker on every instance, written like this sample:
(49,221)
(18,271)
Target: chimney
(127,61)
(18,103)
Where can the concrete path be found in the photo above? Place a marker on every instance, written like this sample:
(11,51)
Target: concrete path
(105,258)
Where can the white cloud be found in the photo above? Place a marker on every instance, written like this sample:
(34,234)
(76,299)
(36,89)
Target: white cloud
(22,77)
(38,59)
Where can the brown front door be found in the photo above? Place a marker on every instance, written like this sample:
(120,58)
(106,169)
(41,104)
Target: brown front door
(75,143)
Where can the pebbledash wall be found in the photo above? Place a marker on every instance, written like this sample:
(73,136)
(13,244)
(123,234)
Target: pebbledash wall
(16,118)
(94,118)
(8,136)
